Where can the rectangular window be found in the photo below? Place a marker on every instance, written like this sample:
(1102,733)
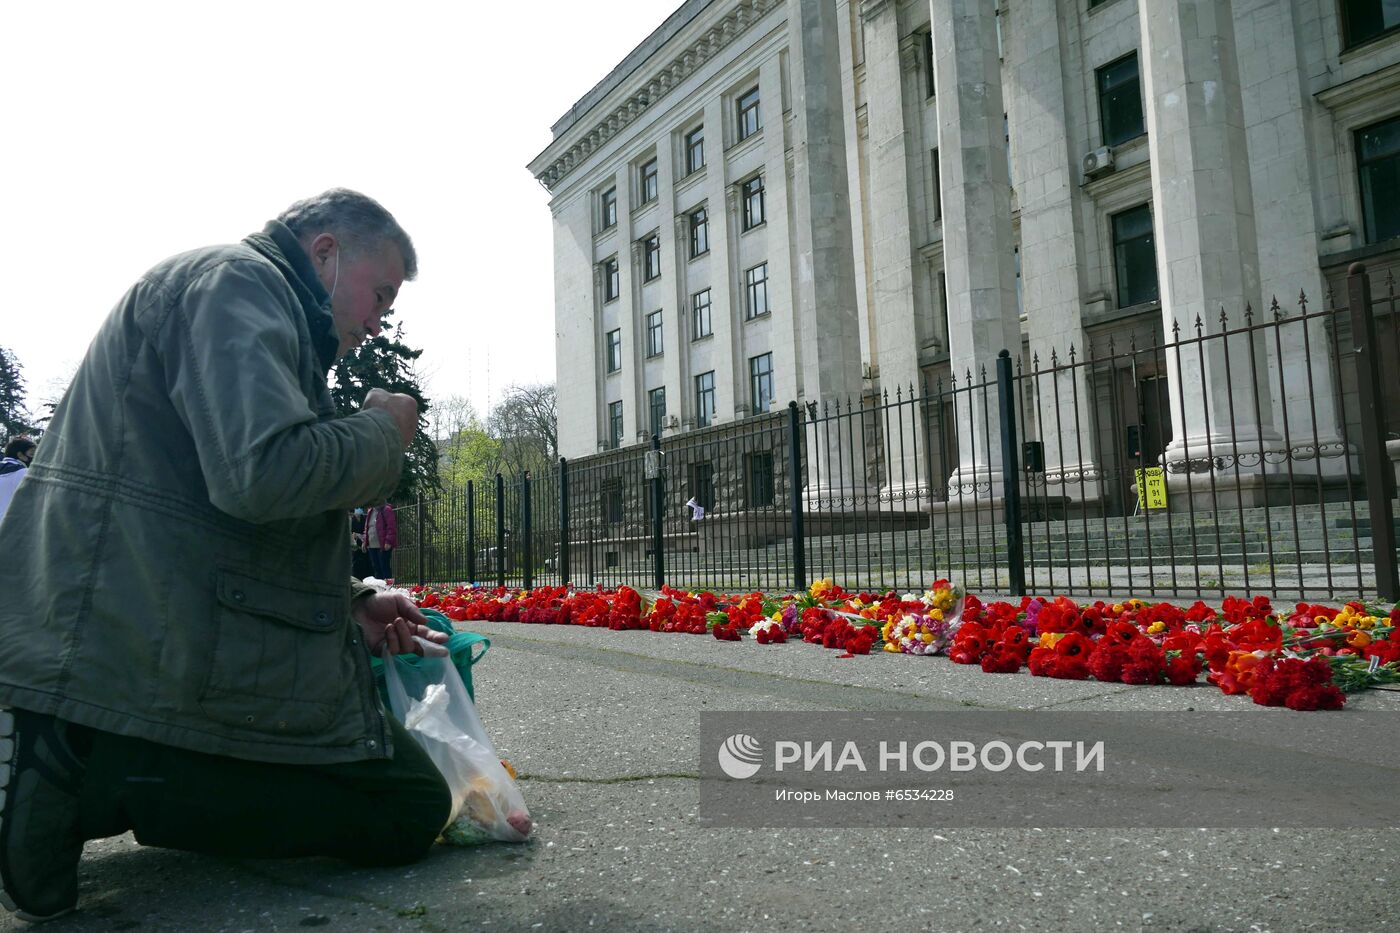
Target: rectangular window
(756,291)
(654,346)
(1120,101)
(747,106)
(1378,164)
(656,404)
(702,484)
(929,64)
(614,345)
(609,208)
(610,281)
(651,250)
(612,502)
(761,382)
(937,186)
(648,182)
(700,315)
(699,233)
(705,399)
(614,425)
(695,150)
(759,473)
(752,194)
(1364,20)
(1135,256)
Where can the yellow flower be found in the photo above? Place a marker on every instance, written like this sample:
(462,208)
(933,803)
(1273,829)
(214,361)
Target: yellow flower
(1048,639)
(926,637)
(1118,607)
(1156,628)
(1358,639)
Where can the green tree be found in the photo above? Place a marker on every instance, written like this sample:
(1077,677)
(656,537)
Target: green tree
(465,450)
(14,417)
(525,424)
(386,362)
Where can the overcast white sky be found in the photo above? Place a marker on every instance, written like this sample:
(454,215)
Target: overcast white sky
(140,129)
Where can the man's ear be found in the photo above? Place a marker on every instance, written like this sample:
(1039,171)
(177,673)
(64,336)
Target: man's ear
(323,248)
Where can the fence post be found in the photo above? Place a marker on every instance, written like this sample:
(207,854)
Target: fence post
(1010,475)
(422,540)
(471,533)
(1375,464)
(563,522)
(799,538)
(500,530)
(658,556)
(529,548)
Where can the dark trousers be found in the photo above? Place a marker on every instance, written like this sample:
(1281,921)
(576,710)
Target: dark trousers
(379,561)
(380,812)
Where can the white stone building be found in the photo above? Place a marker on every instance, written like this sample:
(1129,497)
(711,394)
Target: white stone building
(772,200)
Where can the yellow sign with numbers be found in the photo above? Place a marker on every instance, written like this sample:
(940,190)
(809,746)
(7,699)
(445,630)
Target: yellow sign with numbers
(1152,488)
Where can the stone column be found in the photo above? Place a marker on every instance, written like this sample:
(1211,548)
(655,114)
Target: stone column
(778,235)
(724,232)
(891,248)
(1276,105)
(1207,254)
(633,353)
(978,250)
(667,224)
(676,323)
(1051,249)
(629,289)
(824,282)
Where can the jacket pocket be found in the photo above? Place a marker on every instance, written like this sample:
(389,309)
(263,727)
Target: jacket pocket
(280,663)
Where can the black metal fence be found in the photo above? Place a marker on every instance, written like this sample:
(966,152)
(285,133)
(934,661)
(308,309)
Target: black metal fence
(1232,457)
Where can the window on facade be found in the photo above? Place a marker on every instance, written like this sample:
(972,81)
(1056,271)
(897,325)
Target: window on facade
(614,425)
(705,399)
(610,281)
(702,484)
(1135,256)
(1378,164)
(656,404)
(699,233)
(648,182)
(759,473)
(747,106)
(609,208)
(654,346)
(700,315)
(614,348)
(929,80)
(651,252)
(937,186)
(612,500)
(1364,20)
(695,150)
(752,194)
(761,382)
(756,291)
(1120,101)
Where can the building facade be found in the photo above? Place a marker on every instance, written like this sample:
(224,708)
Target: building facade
(774,200)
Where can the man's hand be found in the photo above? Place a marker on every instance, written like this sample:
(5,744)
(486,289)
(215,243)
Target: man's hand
(402,407)
(393,619)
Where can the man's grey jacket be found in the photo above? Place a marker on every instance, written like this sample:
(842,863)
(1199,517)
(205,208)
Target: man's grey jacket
(185,571)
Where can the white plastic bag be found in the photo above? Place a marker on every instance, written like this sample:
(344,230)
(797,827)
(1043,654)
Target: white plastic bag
(439,713)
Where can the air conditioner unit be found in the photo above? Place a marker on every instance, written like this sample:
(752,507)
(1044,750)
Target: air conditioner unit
(673,422)
(1098,161)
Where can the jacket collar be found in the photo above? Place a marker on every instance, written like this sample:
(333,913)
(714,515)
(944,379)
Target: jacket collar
(280,246)
(10,465)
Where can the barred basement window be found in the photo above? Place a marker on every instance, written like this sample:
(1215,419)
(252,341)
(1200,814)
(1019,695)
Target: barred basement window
(612,500)
(759,470)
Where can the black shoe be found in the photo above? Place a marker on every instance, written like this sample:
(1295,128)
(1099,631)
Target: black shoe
(40,777)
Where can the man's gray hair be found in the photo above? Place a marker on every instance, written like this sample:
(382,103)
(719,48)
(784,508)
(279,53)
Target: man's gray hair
(358,220)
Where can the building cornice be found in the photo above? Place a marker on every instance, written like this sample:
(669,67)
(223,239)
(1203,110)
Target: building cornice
(552,165)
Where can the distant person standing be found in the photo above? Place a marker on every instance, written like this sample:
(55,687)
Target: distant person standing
(19,453)
(381,537)
(359,553)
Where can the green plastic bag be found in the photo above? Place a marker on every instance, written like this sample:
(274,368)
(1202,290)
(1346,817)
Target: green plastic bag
(461,646)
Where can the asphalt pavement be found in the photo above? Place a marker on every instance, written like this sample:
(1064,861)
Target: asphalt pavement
(603,728)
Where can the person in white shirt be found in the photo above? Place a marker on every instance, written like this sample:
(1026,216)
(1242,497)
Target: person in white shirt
(19,453)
